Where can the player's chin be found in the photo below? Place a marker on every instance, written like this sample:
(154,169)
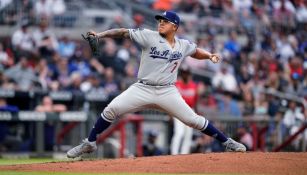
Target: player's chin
(161,32)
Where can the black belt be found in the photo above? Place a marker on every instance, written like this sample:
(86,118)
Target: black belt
(151,84)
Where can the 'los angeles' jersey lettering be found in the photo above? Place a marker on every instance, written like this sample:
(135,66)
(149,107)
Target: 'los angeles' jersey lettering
(154,53)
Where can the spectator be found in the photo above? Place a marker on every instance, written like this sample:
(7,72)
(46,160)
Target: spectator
(230,13)
(199,142)
(292,120)
(96,66)
(22,74)
(301,14)
(244,77)
(283,14)
(268,43)
(66,47)
(8,141)
(42,71)
(43,8)
(44,37)
(248,103)
(240,5)
(117,22)
(228,106)
(75,83)
(274,105)
(295,68)
(138,20)
(108,56)
(163,5)
(22,40)
(62,72)
(288,5)
(79,63)
(224,80)
(293,117)
(123,54)
(232,44)
(130,78)
(5,82)
(47,105)
(203,144)
(295,85)
(207,101)
(247,21)
(302,91)
(58,7)
(150,148)
(27,9)
(188,6)
(216,8)
(6,107)
(284,49)
(10,138)
(4,3)
(109,83)
(46,50)
(92,84)
(273,81)
(49,128)
(256,85)
(5,59)
(245,137)
(261,105)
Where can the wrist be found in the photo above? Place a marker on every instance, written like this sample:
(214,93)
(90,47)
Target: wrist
(210,56)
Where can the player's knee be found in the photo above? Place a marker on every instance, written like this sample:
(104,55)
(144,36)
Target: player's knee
(109,113)
(191,123)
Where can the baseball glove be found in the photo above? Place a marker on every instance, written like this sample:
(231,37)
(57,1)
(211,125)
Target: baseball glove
(93,41)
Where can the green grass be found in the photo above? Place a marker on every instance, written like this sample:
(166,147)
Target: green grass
(25,161)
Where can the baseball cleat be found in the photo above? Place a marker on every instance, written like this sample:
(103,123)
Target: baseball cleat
(233,146)
(84,147)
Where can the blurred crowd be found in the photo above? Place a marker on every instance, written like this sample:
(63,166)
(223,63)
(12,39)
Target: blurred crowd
(263,45)
(12,10)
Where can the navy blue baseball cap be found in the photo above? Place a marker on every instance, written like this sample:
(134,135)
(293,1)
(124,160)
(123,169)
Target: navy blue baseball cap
(169,16)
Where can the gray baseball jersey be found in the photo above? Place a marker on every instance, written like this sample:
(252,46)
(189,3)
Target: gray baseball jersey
(158,69)
(159,61)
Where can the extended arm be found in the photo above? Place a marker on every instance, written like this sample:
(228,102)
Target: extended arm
(112,33)
(201,54)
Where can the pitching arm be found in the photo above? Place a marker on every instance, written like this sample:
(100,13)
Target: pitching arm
(201,54)
(112,33)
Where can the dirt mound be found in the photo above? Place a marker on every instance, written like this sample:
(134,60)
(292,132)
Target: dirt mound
(251,163)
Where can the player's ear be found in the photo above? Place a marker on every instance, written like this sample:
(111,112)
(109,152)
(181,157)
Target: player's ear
(175,27)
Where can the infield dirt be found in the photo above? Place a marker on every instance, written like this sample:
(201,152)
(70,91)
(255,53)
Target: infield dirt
(232,163)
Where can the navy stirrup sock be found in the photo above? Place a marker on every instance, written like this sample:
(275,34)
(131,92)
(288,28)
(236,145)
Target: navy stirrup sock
(213,132)
(100,125)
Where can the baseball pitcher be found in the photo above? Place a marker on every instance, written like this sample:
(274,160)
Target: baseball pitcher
(162,54)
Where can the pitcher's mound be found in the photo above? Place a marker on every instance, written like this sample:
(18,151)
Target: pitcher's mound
(232,163)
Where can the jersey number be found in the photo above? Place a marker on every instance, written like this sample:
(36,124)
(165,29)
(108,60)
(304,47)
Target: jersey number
(175,65)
